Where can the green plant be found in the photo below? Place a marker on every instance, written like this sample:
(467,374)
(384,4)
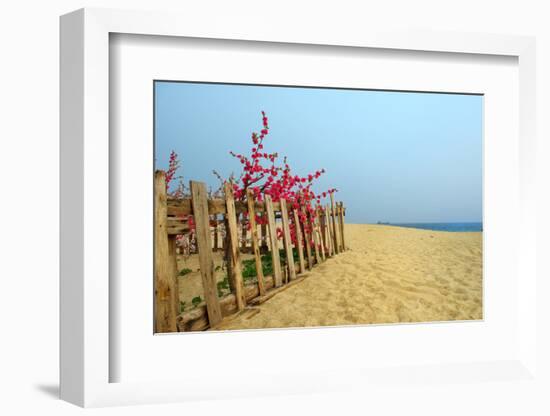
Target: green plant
(249,270)
(182,307)
(196,301)
(267,260)
(185,271)
(223,284)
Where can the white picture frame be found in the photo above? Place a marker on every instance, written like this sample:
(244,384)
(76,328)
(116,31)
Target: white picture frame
(85,165)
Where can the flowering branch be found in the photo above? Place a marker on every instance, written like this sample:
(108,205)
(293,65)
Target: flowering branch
(262,174)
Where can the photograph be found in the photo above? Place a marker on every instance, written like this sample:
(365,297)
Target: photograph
(282,206)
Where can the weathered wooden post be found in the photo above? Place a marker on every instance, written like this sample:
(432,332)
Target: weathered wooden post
(333,219)
(307,237)
(277,273)
(299,241)
(255,242)
(341,220)
(236,275)
(243,234)
(166,295)
(318,228)
(287,241)
(204,245)
(328,230)
(323,225)
(172,251)
(315,237)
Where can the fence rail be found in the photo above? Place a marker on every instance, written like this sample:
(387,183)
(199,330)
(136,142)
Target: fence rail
(172,219)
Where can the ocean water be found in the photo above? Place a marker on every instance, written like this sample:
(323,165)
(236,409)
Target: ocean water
(443,226)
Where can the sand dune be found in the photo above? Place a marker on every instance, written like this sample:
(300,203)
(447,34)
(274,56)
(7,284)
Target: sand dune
(389,274)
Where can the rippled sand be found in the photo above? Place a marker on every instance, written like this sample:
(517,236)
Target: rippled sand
(389,274)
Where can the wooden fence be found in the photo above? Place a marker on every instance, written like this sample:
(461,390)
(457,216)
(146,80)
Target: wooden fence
(171,220)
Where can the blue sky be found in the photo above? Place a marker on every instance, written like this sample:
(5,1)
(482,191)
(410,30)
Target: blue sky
(393,156)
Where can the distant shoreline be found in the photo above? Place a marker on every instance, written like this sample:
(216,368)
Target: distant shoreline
(439,226)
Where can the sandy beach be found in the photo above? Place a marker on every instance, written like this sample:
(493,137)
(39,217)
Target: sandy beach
(388,275)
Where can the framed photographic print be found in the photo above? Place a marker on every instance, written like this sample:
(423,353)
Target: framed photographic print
(320,203)
(282,185)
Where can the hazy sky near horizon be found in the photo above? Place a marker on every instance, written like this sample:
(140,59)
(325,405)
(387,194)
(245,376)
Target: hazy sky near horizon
(393,156)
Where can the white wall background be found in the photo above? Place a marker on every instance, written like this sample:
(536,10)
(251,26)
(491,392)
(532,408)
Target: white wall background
(29,209)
